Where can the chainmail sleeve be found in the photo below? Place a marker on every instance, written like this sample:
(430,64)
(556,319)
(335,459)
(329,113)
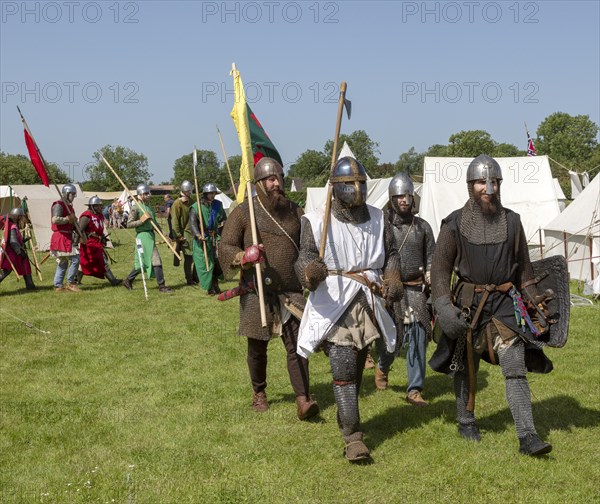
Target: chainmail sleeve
(194,223)
(429,245)
(134,220)
(443,263)
(14,241)
(392,266)
(84,221)
(232,240)
(57,215)
(308,251)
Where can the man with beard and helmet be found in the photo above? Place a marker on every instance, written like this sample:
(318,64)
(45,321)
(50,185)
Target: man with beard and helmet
(180,219)
(64,244)
(14,253)
(484,245)
(213,220)
(348,288)
(139,218)
(93,260)
(414,241)
(278,228)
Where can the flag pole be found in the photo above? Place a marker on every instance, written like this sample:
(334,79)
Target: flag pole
(75,224)
(200,216)
(227,163)
(338,125)
(168,242)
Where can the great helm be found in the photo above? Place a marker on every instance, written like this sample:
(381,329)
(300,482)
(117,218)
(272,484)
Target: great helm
(210,188)
(69,189)
(266,167)
(484,168)
(187,186)
(94,200)
(348,169)
(15,213)
(142,189)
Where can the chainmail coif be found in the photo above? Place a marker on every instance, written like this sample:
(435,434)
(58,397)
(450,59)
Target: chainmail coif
(479,228)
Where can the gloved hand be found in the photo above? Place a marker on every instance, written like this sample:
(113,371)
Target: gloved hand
(393,290)
(254,254)
(314,273)
(450,317)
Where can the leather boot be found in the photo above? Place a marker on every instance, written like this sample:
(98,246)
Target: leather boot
(259,402)
(108,274)
(127,283)
(531,444)
(307,408)
(355,450)
(381,379)
(29,285)
(415,398)
(469,432)
(163,288)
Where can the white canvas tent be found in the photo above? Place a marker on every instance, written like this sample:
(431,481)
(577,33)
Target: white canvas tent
(39,202)
(575,234)
(527,188)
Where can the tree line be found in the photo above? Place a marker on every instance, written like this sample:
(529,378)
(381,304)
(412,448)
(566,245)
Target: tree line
(568,140)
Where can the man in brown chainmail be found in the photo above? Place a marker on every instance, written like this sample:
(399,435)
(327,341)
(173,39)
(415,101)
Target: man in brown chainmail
(485,246)
(349,286)
(278,227)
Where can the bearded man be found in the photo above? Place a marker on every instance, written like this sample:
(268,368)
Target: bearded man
(278,228)
(484,244)
(349,286)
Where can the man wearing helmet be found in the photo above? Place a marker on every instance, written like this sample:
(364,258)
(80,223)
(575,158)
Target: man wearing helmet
(278,227)
(180,219)
(93,260)
(139,218)
(13,253)
(346,311)
(484,245)
(413,238)
(213,220)
(64,244)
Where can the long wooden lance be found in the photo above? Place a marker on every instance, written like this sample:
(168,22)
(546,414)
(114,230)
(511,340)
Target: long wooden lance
(200,216)
(75,224)
(29,230)
(227,163)
(156,228)
(342,102)
(257,269)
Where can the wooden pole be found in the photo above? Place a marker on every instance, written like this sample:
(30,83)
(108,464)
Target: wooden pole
(168,242)
(227,163)
(4,245)
(338,125)
(200,216)
(259,280)
(541,244)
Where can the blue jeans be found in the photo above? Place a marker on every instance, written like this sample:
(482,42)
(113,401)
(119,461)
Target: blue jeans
(416,355)
(61,269)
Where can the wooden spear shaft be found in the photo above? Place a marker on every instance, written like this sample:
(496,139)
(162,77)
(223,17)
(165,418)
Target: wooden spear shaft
(259,279)
(168,242)
(33,247)
(338,125)
(227,163)
(200,216)
(4,245)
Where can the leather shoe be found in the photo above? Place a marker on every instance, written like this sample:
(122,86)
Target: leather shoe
(469,431)
(163,288)
(73,287)
(381,379)
(127,284)
(307,408)
(531,444)
(259,402)
(415,398)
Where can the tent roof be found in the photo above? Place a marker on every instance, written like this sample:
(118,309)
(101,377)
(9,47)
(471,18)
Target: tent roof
(527,188)
(582,215)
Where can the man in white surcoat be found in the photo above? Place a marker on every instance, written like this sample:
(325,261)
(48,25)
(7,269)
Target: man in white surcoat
(349,288)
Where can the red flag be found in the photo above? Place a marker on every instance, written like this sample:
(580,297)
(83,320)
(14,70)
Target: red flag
(530,146)
(36,160)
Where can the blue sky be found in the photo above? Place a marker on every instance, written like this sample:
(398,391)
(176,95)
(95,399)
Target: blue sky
(154,75)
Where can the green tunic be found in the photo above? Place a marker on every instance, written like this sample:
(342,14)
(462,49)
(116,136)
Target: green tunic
(145,233)
(206,276)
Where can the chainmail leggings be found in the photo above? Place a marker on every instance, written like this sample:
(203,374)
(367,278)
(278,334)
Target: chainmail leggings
(512,363)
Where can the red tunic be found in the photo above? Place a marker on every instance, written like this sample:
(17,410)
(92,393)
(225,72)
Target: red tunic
(21,264)
(62,237)
(92,253)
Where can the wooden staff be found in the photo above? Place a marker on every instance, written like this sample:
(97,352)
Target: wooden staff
(75,224)
(33,247)
(259,280)
(227,163)
(200,216)
(140,206)
(338,125)
(4,245)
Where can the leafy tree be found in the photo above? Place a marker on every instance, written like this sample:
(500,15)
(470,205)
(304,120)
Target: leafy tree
(470,144)
(365,149)
(17,169)
(208,170)
(131,167)
(410,162)
(385,170)
(437,150)
(507,150)
(235,163)
(312,167)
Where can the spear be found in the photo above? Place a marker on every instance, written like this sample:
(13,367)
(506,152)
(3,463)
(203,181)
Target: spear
(227,163)
(200,216)
(156,228)
(341,104)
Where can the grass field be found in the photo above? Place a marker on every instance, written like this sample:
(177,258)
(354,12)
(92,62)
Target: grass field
(129,401)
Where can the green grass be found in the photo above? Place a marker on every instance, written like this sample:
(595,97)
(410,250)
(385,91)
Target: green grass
(131,401)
